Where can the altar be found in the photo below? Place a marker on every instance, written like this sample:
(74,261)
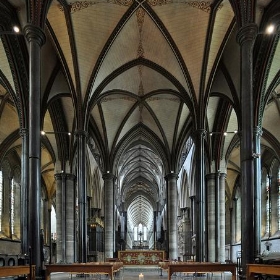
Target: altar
(141,257)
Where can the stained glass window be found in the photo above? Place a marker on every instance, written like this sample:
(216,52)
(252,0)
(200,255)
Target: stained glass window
(145,237)
(12,206)
(268,205)
(135,234)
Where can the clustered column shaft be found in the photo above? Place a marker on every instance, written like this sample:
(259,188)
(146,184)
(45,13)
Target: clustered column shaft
(109,214)
(172,215)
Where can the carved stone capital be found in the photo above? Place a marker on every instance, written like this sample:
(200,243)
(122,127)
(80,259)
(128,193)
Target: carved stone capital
(79,133)
(108,176)
(170,176)
(247,32)
(34,33)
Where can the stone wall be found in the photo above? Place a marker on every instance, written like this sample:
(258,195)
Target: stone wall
(10,247)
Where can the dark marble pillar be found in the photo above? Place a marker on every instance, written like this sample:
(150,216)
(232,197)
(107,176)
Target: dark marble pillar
(82,196)
(49,240)
(155,230)
(200,196)
(24,192)
(36,38)
(246,37)
(257,188)
(231,230)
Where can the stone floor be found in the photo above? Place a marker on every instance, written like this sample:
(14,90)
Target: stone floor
(149,273)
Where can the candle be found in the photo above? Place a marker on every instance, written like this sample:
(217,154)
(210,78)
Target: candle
(141,276)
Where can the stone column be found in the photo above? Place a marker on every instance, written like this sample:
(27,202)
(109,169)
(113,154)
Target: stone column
(70,219)
(231,229)
(246,37)
(82,196)
(193,221)
(200,196)
(124,227)
(187,233)
(36,38)
(238,218)
(257,189)
(172,206)
(217,216)
(159,226)
(65,217)
(222,217)
(211,179)
(60,218)
(24,192)
(109,214)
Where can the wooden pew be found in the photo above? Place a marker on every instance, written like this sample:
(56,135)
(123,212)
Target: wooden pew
(87,268)
(199,267)
(267,269)
(7,271)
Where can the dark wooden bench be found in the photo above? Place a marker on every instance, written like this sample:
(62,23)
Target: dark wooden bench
(7,271)
(267,269)
(199,267)
(85,268)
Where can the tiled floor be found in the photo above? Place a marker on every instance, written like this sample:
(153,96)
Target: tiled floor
(150,273)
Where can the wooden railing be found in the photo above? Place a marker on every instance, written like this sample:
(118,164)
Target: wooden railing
(85,268)
(197,267)
(7,271)
(254,269)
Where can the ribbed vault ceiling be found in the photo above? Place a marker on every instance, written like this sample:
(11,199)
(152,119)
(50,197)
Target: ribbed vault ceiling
(140,77)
